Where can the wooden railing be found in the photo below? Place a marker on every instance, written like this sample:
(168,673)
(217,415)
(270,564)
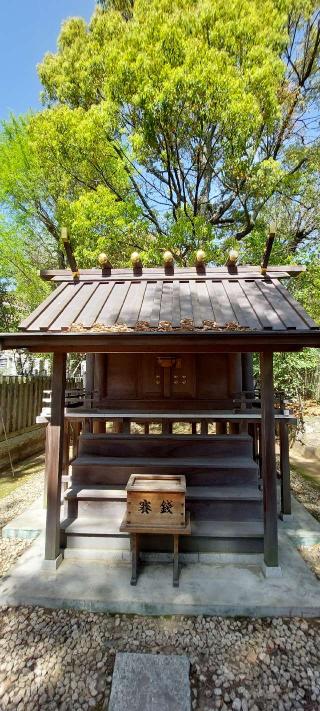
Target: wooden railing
(21,400)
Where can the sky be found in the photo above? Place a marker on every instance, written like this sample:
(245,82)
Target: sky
(29,29)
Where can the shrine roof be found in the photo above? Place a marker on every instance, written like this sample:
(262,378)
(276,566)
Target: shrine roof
(181,300)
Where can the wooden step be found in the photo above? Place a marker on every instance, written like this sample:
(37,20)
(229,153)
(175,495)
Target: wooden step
(193,493)
(224,493)
(207,502)
(198,470)
(96,493)
(102,533)
(213,462)
(90,526)
(107,527)
(206,536)
(227,529)
(165,445)
(203,502)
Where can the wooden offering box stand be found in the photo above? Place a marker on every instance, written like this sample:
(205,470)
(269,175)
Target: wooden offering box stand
(156,504)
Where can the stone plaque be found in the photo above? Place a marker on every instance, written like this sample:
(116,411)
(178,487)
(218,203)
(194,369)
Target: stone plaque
(149,682)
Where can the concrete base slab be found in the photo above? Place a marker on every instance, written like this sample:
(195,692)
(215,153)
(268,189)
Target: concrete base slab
(215,587)
(271,571)
(29,524)
(149,682)
(302,528)
(285,517)
(211,589)
(52,565)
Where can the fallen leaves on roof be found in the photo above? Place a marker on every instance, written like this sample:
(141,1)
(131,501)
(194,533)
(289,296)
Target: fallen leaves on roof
(186,324)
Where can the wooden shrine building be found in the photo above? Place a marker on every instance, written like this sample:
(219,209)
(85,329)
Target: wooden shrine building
(163,347)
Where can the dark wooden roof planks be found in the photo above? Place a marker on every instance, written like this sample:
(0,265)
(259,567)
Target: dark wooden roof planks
(236,306)
(243,297)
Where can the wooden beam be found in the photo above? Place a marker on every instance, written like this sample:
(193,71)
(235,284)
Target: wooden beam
(285,470)
(179,272)
(269,461)
(193,342)
(54,457)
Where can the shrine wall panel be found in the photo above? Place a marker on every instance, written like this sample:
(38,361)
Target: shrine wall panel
(180,380)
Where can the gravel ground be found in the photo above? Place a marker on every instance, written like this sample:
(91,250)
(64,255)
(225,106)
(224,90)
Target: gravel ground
(10,550)
(63,660)
(12,506)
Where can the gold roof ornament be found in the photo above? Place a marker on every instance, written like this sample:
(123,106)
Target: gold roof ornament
(103,260)
(233,257)
(200,257)
(135,259)
(168,258)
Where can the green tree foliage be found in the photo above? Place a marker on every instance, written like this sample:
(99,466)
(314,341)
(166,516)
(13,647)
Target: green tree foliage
(176,125)
(28,193)
(169,124)
(8,312)
(297,375)
(209,109)
(95,197)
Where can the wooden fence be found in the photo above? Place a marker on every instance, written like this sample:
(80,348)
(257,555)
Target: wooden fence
(21,400)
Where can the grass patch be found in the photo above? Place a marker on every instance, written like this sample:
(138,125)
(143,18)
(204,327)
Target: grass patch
(308,475)
(23,473)
(307,492)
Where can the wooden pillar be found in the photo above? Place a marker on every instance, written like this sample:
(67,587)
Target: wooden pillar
(76,432)
(46,467)
(259,443)
(234,373)
(99,426)
(233,427)
(269,461)
(221,428)
(252,431)
(54,457)
(247,372)
(89,387)
(204,427)
(126,426)
(117,427)
(285,470)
